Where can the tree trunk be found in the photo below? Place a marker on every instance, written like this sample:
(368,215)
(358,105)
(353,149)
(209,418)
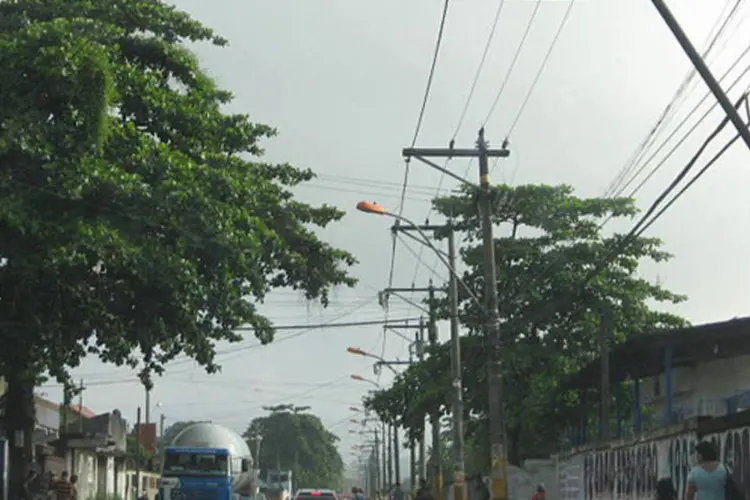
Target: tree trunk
(20,420)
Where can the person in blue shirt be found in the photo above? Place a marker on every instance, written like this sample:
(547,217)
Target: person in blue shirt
(708,479)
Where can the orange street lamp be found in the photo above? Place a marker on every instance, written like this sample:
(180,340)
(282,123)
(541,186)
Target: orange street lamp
(380,361)
(373,207)
(362,379)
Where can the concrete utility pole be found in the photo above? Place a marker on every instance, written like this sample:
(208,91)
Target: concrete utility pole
(492,323)
(419,344)
(701,67)
(436,455)
(604,336)
(459,488)
(412,443)
(396,455)
(376,458)
(384,462)
(422,442)
(138,452)
(390,458)
(148,406)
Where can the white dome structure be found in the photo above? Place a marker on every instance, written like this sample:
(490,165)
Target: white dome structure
(210,435)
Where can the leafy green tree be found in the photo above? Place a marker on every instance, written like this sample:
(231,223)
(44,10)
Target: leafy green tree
(550,312)
(136,454)
(136,221)
(293,439)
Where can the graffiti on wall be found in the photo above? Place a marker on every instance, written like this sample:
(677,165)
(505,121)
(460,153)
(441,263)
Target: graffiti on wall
(631,472)
(626,472)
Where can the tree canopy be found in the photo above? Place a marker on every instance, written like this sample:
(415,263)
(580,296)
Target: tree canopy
(137,222)
(552,305)
(294,439)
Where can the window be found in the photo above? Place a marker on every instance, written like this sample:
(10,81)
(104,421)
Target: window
(195,464)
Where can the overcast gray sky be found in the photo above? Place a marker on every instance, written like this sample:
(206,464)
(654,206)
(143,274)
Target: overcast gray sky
(342,80)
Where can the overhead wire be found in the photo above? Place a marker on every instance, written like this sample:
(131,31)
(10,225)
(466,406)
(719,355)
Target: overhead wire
(670,110)
(644,223)
(407,161)
(637,228)
(513,62)
(685,136)
(538,75)
(535,81)
(459,124)
(690,183)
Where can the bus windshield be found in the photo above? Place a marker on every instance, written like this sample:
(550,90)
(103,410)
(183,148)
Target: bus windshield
(195,464)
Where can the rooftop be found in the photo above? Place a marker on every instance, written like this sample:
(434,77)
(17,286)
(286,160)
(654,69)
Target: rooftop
(641,355)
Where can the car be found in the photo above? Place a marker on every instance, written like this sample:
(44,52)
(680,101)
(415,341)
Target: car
(315,494)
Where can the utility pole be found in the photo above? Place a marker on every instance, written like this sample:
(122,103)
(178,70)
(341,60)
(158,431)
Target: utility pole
(459,484)
(390,459)
(493,333)
(148,406)
(412,442)
(436,454)
(702,69)
(396,455)
(80,407)
(161,426)
(384,461)
(604,334)
(419,343)
(422,442)
(138,452)
(375,454)
(459,489)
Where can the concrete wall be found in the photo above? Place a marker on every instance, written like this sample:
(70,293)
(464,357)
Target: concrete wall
(629,470)
(699,390)
(86,467)
(522,481)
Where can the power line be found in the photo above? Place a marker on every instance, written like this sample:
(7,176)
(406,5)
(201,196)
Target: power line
(685,136)
(692,181)
(541,68)
(407,161)
(513,62)
(637,229)
(478,73)
(670,109)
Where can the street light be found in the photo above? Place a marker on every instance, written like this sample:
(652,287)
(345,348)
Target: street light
(359,378)
(456,368)
(371,207)
(381,360)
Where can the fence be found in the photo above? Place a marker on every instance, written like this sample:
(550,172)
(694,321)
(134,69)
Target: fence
(629,469)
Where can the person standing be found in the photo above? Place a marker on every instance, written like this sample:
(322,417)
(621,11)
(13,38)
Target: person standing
(74,484)
(64,488)
(540,494)
(710,479)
